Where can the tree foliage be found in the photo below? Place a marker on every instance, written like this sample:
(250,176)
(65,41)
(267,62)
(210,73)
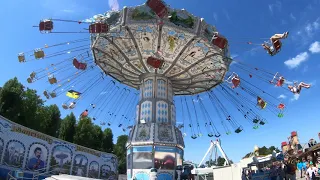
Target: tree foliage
(107,142)
(23,106)
(220,162)
(67,128)
(263,151)
(120,151)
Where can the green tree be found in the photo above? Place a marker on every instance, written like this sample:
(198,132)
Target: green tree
(68,128)
(51,120)
(11,101)
(32,103)
(220,161)
(83,135)
(120,150)
(107,142)
(97,137)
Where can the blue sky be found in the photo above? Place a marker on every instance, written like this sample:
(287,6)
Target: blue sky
(240,21)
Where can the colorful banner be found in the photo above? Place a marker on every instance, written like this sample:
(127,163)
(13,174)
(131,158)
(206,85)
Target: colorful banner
(164,157)
(142,157)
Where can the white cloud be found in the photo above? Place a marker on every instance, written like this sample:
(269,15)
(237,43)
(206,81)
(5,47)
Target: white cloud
(282,96)
(296,61)
(277,5)
(234,56)
(114,5)
(226,14)
(292,17)
(295,97)
(68,11)
(312,27)
(315,47)
(215,17)
(305,69)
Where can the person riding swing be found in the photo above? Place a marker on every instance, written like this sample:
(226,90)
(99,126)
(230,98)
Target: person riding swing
(276,43)
(296,89)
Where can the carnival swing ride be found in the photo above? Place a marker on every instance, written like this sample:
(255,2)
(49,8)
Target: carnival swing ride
(162,52)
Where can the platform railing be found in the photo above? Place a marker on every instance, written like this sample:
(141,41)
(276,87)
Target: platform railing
(36,173)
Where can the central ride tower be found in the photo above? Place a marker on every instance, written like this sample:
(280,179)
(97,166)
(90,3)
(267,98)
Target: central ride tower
(176,55)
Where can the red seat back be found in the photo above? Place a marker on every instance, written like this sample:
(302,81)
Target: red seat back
(46,25)
(76,63)
(235,82)
(98,28)
(219,41)
(277,45)
(82,66)
(154,62)
(158,7)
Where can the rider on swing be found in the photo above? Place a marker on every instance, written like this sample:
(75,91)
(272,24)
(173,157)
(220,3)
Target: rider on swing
(280,81)
(296,89)
(272,50)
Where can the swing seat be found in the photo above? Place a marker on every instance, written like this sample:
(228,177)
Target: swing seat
(199,135)
(255,127)
(21,57)
(109,124)
(194,137)
(228,133)
(235,82)
(32,75)
(97,28)
(45,26)
(210,135)
(280,83)
(119,125)
(79,65)
(64,106)
(284,144)
(84,114)
(102,123)
(39,54)
(29,80)
(155,63)
(217,135)
(255,121)
(53,94)
(238,130)
(123,129)
(52,80)
(94,118)
(281,106)
(280,115)
(158,7)
(45,93)
(277,45)
(293,133)
(262,123)
(220,41)
(262,104)
(72,105)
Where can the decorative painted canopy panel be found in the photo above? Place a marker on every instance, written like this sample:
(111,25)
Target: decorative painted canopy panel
(180,42)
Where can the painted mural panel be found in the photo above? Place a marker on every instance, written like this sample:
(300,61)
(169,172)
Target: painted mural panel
(179,157)
(60,161)
(164,158)
(129,163)
(93,170)
(142,156)
(80,165)
(106,173)
(14,154)
(37,157)
(30,150)
(1,147)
